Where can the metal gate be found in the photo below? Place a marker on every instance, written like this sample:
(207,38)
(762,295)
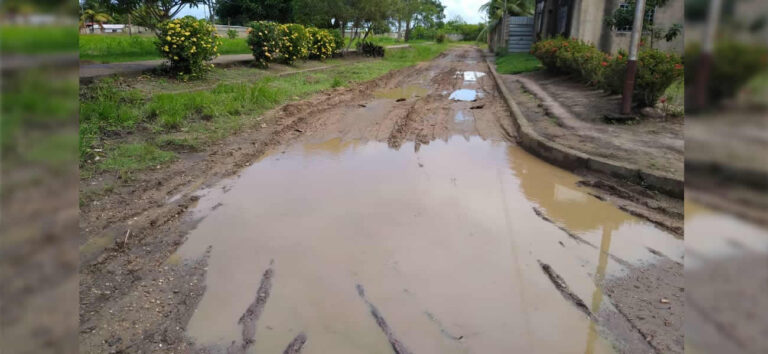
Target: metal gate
(520,34)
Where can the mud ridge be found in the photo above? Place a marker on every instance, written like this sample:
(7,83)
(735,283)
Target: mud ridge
(640,203)
(579,239)
(564,290)
(397,345)
(294,347)
(251,316)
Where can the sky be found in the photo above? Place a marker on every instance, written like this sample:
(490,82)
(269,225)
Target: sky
(467,9)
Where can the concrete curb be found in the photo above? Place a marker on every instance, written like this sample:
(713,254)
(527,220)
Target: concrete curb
(573,160)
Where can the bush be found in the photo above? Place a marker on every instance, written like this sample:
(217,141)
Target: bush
(322,44)
(231,34)
(370,49)
(188,43)
(338,40)
(294,44)
(264,39)
(733,65)
(440,38)
(656,70)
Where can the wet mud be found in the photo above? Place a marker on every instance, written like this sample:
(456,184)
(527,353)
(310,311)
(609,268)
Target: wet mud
(446,222)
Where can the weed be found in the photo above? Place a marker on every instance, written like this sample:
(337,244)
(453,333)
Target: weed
(337,82)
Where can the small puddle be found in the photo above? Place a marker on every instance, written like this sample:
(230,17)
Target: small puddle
(470,76)
(443,243)
(461,117)
(465,95)
(406,92)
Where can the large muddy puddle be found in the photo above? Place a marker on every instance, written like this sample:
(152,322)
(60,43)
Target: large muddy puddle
(441,242)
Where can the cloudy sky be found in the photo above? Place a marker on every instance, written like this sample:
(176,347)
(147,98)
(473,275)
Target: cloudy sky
(467,9)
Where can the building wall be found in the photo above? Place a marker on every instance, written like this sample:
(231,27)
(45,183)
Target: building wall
(587,24)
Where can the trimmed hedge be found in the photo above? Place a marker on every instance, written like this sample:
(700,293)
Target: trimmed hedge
(733,65)
(656,70)
(188,43)
(264,41)
(295,43)
(322,44)
(290,42)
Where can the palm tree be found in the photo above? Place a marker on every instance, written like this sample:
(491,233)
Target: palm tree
(95,17)
(495,11)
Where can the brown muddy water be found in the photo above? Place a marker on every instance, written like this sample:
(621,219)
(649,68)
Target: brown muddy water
(726,274)
(442,244)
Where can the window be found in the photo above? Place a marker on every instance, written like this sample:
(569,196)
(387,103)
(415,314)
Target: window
(629,12)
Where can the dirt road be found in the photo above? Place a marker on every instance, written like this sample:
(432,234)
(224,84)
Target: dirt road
(394,216)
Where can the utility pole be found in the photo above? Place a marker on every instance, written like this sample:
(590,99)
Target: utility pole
(703,70)
(634,44)
(504,28)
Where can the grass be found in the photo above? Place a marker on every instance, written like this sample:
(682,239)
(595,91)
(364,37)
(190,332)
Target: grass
(112,48)
(125,130)
(516,63)
(37,39)
(130,157)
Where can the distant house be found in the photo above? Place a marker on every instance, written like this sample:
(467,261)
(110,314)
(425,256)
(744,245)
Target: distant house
(583,19)
(92,27)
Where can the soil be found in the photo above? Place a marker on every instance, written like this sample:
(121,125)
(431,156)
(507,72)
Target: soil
(137,295)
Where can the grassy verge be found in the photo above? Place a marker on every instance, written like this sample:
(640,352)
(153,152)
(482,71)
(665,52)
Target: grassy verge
(37,39)
(516,63)
(121,48)
(124,130)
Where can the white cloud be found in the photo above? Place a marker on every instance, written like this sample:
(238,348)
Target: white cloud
(467,9)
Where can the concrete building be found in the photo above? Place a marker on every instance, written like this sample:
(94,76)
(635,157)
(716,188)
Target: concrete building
(583,19)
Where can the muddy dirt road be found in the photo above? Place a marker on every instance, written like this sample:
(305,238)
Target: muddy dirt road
(395,216)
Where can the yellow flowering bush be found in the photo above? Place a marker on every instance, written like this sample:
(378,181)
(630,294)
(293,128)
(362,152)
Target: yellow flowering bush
(264,40)
(188,43)
(322,44)
(294,43)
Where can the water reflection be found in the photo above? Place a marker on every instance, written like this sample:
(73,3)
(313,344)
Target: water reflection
(556,192)
(424,231)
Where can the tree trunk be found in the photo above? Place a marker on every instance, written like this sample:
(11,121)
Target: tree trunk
(407,29)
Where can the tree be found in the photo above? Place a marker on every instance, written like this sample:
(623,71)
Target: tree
(241,12)
(495,11)
(412,12)
(148,13)
(94,17)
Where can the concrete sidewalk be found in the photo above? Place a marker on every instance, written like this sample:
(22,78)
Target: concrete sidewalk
(90,72)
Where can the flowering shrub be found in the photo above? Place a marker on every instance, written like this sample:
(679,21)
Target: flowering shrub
(264,39)
(294,44)
(733,65)
(231,34)
(338,40)
(322,44)
(188,43)
(656,70)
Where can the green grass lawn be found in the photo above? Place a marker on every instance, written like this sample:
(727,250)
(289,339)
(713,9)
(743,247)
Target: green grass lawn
(516,63)
(37,39)
(112,48)
(189,120)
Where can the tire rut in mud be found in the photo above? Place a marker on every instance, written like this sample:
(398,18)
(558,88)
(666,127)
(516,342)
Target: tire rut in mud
(396,344)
